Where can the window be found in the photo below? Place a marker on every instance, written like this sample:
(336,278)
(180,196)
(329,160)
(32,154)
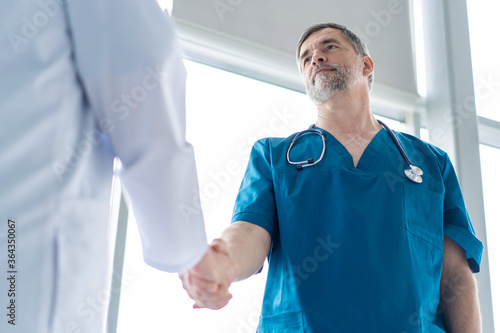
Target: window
(490,159)
(166,5)
(481,14)
(484,49)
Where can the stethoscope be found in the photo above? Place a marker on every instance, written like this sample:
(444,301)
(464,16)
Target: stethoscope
(414,173)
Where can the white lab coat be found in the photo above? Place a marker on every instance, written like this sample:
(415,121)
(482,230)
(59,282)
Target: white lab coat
(83,82)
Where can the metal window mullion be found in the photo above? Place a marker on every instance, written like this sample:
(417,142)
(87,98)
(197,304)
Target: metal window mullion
(118,263)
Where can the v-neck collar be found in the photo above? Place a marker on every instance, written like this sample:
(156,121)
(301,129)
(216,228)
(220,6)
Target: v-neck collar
(370,153)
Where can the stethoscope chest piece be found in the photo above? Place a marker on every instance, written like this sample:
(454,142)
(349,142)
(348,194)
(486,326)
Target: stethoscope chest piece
(414,174)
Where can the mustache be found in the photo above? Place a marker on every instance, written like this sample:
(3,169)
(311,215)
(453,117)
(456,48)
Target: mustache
(334,68)
(320,67)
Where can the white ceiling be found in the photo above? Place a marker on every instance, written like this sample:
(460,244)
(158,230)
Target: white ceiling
(266,32)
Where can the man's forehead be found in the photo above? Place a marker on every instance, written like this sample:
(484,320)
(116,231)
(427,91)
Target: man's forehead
(320,35)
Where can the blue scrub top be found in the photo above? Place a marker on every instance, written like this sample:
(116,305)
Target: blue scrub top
(354,249)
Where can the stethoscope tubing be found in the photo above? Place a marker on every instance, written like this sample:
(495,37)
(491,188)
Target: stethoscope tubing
(414,173)
(398,143)
(310,162)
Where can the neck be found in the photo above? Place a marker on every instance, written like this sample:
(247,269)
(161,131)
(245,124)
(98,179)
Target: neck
(347,114)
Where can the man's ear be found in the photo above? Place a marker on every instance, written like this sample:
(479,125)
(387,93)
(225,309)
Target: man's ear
(367,66)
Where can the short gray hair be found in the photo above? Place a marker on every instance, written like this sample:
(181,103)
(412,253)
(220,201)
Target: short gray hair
(356,42)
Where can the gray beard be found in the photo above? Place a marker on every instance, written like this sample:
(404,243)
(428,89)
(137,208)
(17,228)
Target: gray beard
(327,84)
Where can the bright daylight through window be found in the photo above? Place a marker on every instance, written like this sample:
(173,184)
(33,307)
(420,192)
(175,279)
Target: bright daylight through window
(490,159)
(483,14)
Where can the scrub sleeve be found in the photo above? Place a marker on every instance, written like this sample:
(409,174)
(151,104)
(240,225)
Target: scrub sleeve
(256,199)
(457,224)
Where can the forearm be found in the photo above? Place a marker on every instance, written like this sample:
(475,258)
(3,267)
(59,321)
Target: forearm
(248,246)
(460,304)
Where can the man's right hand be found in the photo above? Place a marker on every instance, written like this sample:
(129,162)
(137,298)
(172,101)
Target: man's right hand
(238,254)
(208,282)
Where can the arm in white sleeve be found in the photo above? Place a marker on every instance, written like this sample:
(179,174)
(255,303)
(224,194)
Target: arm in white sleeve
(131,70)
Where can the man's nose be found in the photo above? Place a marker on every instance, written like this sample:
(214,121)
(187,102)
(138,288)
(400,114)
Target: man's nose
(318,59)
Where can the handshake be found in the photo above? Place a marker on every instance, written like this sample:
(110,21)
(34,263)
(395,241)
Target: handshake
(208,282)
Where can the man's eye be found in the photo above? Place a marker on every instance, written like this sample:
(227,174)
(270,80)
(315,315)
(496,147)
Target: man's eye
(330,47)
(306,60)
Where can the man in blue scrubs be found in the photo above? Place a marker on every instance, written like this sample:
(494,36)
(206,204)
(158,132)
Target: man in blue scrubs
(353,245)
